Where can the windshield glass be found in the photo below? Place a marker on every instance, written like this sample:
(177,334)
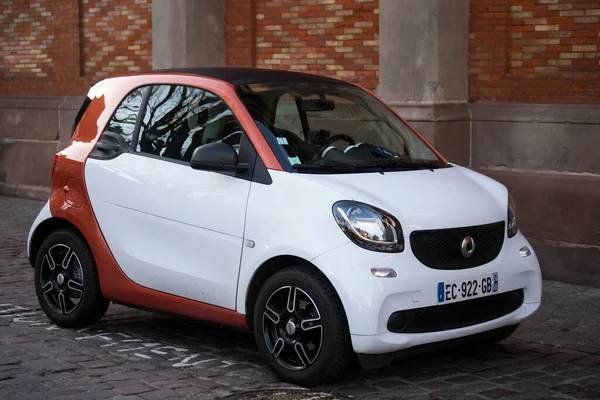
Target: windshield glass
(339,127)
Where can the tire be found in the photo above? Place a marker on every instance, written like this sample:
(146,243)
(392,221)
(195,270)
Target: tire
(297,358)
(73,300)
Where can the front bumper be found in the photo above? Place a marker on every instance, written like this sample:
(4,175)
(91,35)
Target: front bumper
(369,301)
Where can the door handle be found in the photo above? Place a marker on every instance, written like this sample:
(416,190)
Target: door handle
(109,146)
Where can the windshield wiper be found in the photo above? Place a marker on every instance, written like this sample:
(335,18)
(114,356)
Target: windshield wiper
(329,166)
(355,167)
(405,164)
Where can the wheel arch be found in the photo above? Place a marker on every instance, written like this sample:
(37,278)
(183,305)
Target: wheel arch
(270,267)
(43,230)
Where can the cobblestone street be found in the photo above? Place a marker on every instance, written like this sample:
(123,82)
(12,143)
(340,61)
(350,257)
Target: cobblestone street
(135,354)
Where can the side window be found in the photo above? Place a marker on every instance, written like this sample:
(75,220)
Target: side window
(178,119)
(124,119)
(287,116)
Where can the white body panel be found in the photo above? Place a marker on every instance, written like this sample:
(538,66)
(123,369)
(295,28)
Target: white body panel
(293,216)
(438,199)
(43,215)
(171,228)
(181,231)
(290,217)
(369,301)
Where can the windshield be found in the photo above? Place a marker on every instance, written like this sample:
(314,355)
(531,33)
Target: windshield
(313,127)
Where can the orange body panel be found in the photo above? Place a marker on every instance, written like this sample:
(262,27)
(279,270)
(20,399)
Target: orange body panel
(115,285)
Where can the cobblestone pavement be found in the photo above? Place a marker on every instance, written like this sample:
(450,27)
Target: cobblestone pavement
(133,354)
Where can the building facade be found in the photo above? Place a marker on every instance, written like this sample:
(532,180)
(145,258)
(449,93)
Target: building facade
(510,88)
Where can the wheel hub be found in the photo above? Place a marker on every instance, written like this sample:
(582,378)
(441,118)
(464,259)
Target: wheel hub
(290,328)
(60,279)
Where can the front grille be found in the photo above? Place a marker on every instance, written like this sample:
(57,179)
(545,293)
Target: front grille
(441,248)
(455,315)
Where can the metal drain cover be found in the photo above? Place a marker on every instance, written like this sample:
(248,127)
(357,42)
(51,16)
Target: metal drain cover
(284,394)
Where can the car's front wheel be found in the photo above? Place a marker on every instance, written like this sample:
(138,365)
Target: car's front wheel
(300,327)
(66,281)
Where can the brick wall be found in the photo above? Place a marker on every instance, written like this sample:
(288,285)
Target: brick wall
(540,51)
(240,33)
(60,47)
(339,38)
(26,41)
(116,36)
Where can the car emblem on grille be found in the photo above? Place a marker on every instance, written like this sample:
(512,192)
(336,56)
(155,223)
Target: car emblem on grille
(467,248)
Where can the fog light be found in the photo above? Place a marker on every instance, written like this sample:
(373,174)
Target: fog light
(525,252)
(397,322)
(384,272)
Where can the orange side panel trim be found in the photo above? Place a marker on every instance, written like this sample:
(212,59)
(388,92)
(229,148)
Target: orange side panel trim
(114,284)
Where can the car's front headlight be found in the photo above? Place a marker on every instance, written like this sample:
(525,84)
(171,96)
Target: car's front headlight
(369,227)
(511,228)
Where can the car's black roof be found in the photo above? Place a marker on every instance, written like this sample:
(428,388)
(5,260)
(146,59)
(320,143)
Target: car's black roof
(242,76)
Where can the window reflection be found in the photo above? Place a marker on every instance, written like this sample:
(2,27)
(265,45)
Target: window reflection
(124,119)
(178,119)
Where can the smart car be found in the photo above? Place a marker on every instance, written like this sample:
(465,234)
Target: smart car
(296,206)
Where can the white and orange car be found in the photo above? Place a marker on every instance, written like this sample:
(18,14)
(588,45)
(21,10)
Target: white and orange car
(297,206)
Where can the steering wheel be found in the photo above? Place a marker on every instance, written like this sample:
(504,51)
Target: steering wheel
(331,140)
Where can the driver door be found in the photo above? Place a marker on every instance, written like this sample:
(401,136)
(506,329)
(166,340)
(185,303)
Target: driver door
(169,227)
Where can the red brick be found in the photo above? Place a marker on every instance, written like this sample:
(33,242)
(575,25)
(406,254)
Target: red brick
(533,66)
(301,24)
(64,53)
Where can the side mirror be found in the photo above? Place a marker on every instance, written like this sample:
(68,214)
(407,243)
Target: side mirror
(216,157)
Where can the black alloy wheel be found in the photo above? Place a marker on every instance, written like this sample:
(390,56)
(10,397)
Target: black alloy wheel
(300,327)
(66,281)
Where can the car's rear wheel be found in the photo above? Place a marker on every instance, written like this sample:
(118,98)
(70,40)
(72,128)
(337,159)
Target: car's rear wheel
(66,281)
(300,327)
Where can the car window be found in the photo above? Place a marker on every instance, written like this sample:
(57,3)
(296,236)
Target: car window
(125,116)
(287,116)
(178,119)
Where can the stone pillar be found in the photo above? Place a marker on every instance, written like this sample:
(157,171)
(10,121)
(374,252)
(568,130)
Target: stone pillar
(424,69)
(188,33)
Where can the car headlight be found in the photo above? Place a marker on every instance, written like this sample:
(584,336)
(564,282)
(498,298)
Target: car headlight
(369,227)
(511,228)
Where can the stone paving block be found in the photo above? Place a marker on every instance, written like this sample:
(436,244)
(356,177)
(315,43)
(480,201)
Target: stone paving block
(585,394)
(160,394)
(498,393)
(133,389)
(99,394)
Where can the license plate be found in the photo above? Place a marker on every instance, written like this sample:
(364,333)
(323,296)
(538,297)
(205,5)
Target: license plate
(465,289)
